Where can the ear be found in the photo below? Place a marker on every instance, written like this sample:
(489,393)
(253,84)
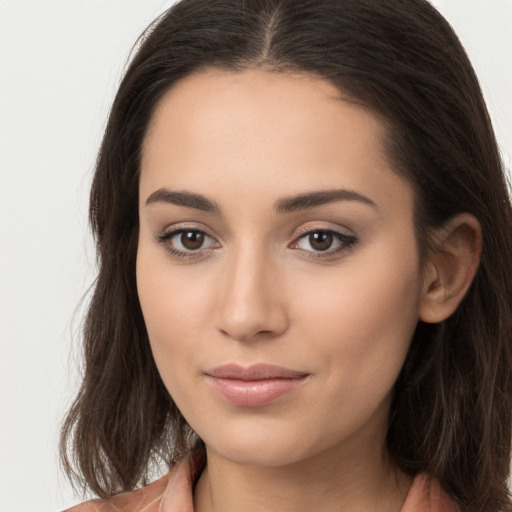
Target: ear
(451,267)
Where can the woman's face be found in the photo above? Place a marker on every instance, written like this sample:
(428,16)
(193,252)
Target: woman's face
(274,233)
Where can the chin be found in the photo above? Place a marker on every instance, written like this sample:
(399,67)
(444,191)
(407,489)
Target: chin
(267,454)
(256,445)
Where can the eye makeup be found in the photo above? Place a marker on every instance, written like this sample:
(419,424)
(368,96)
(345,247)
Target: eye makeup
(187,243)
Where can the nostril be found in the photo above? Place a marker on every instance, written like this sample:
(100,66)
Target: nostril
(241,333)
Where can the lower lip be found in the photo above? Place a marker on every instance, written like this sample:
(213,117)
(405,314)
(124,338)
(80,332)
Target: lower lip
(253,393)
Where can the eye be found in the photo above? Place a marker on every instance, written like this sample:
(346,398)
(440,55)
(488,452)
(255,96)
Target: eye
(186,242)
(324,243)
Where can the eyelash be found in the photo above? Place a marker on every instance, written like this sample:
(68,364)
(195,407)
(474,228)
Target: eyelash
(165,238)
(347,241)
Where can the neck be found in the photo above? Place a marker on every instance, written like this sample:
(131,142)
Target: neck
(352,480)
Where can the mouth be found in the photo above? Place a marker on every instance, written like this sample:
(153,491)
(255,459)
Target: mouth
(253,386)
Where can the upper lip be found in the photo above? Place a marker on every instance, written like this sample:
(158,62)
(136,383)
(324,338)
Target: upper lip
(254,372)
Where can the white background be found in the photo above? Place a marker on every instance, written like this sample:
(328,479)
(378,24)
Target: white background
(60,62)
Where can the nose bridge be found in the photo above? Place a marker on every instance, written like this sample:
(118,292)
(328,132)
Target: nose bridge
(250,302)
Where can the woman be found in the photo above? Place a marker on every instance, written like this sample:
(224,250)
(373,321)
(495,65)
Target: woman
(304,238)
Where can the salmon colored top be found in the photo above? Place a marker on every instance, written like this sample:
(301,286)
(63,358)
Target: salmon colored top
(174,493)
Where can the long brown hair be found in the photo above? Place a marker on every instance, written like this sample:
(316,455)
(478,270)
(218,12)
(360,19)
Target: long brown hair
(451,412)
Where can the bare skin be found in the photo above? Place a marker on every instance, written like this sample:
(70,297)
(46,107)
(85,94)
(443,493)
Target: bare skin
(331,290)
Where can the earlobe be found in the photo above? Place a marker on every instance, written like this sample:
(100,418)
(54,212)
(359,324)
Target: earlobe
(451,267)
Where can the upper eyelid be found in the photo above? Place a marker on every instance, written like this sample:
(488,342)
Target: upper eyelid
(174,228)
(333,231)
(339,229)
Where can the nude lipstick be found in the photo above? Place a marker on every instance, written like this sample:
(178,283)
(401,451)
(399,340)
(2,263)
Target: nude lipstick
(253,386)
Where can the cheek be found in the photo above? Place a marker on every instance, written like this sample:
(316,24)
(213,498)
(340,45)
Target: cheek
(173,309)
(362,319)
(358,329)
(170,294)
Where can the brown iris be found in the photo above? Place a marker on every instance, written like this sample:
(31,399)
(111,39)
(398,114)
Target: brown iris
(320,240)
(192,239)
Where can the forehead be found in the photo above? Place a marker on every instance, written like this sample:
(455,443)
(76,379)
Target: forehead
(254,108)
(210,89)
(217,129)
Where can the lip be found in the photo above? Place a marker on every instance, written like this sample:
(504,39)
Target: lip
(253,386)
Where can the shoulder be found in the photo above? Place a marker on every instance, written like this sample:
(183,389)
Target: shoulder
(172,492)
(427,495)
(147,498)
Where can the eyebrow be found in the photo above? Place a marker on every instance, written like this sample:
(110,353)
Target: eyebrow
(318,198)
(188,199)
(285,205)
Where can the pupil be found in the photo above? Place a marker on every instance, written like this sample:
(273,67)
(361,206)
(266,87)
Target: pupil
(320,240)
(192,239)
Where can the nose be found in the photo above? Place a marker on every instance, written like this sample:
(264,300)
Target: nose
(251,300)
